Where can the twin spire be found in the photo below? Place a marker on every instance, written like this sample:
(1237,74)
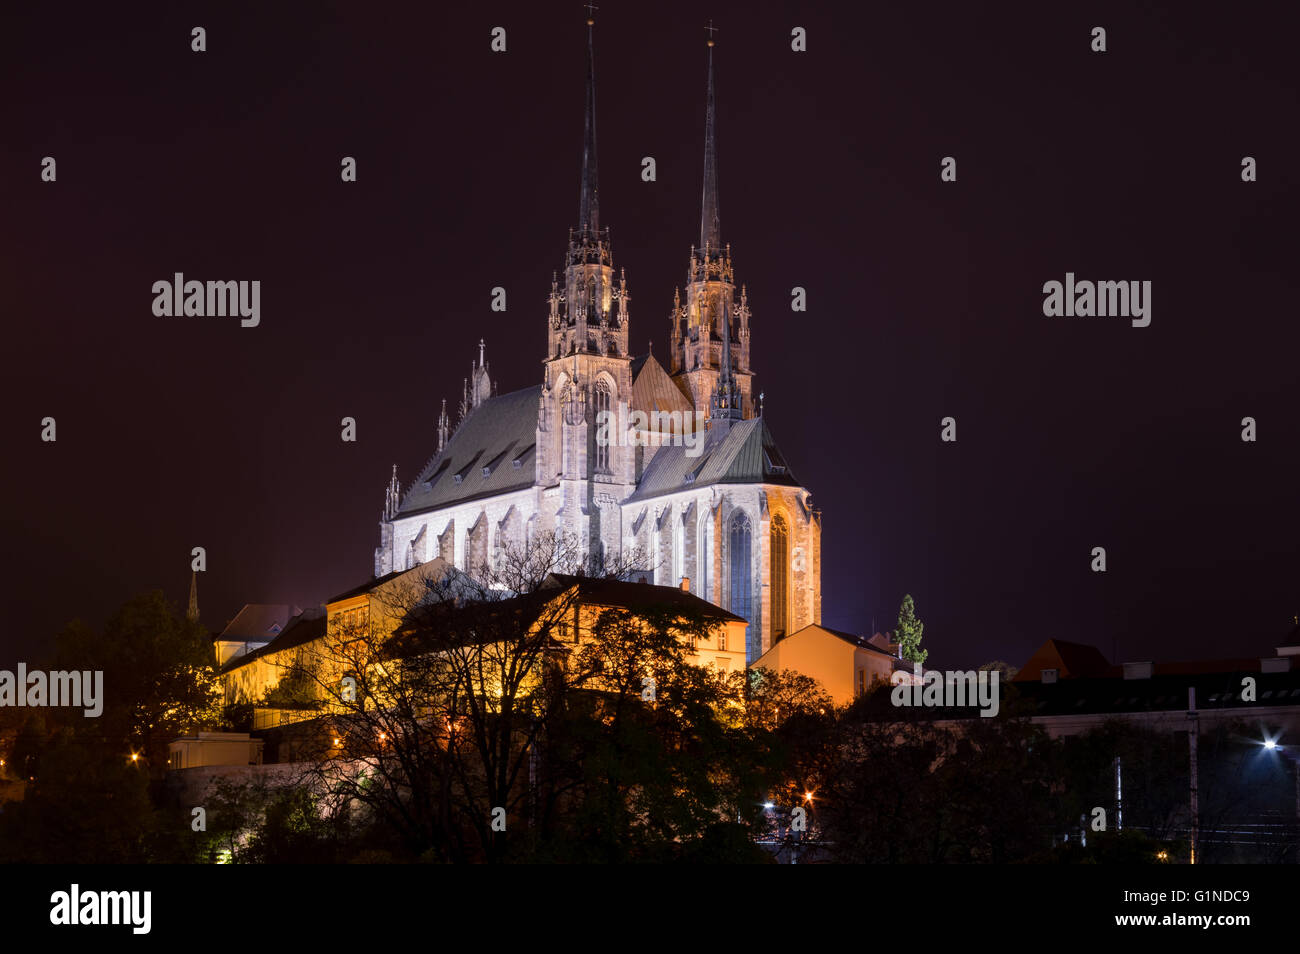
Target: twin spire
(709,259)
(589,200)
(710,219)
(589,195)
(727,401)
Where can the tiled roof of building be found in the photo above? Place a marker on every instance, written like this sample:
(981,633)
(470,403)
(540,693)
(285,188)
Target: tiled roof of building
(1215,689)
(258,622)
(742,453)
(1071,660)
(430,569)
(447,623)
(861,642)
(498,436)
(635,596)
(307,626)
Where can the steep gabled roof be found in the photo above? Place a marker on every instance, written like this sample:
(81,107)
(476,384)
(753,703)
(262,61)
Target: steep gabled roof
(654,390)
(307,626)
(259,622)
(812,629)
(1073,660)
(742,453)
(638,596)
(496,434)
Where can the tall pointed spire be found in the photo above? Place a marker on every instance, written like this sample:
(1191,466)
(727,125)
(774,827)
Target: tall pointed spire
(727,402)
(710,220)
(589,200)
(192,613)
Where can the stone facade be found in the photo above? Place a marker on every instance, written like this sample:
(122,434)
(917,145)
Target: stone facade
(629,457)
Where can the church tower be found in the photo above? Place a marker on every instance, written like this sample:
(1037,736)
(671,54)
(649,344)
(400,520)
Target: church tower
(584,463)
(709,334)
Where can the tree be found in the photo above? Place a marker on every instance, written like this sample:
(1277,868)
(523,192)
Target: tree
(437,727)
(498,722)
(159,677)
(908,633)
(86,806)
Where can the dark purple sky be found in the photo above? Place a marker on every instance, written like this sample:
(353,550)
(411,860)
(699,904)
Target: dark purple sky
(925,298)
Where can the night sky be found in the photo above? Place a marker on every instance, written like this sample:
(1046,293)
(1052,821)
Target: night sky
(925,298)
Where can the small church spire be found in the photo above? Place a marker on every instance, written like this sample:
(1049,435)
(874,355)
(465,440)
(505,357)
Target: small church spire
(444,425)
(392,496)
(710,219)
(588,203)
(192,613)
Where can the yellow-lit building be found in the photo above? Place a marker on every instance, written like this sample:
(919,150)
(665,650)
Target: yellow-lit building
(570,605)
(846,665)
(585,598)
(376,609)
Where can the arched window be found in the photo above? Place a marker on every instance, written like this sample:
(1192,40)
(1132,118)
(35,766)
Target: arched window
(566,416)
(741,585)
(780,577)
(605,430)
(706,564)
(679,553)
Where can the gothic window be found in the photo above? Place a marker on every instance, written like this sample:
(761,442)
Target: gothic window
(679,558)
(780,577)
(706,563)
(509,532)
(566,415)
(741,589)
(605,431)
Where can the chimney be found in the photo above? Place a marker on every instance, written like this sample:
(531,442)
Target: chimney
(686,584)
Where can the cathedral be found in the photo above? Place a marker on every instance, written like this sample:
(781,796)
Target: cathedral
(674,465)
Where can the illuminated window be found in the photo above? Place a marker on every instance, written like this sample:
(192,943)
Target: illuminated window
(706,565)
(741,598)
(605,426)
(780,577)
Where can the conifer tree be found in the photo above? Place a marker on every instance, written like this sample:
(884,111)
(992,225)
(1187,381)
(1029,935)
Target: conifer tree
(908,633)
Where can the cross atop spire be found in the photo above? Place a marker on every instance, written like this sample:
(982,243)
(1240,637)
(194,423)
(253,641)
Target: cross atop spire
(588,202)
(710,220)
